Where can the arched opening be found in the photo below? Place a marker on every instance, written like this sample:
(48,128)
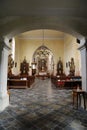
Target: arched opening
(69,17)
(21,49)
(57,44)
(44,59)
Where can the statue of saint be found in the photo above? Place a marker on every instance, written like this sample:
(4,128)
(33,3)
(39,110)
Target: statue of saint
(59,67)
(72,67)
(24,67)
(10,64)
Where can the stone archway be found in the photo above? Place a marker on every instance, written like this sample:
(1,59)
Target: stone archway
(16,25)
(12,26)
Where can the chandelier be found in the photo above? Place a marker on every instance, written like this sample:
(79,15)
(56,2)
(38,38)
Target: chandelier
(43,51)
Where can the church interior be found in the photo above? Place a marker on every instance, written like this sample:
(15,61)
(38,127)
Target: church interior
(43,53)
(43,65)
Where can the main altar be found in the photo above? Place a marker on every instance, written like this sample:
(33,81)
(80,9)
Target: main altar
(44,59)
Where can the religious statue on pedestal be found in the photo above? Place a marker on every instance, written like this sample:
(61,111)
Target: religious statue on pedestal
(24,67)
(59,67)
(10,65)
(72,67)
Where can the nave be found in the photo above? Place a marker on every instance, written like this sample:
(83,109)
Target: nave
(42,107)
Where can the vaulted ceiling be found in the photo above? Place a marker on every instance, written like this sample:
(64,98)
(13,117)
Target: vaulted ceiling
(42,34)
(68,16)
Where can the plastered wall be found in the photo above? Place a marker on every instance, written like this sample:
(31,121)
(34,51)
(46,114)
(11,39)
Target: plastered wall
(26,47)
(71,50)
(64,48)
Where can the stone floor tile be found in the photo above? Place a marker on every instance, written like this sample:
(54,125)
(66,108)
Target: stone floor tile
(42,107)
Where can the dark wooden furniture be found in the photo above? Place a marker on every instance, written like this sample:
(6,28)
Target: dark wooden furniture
(31,80)
(66,82)
(20,81)
(72,84)
(77,95)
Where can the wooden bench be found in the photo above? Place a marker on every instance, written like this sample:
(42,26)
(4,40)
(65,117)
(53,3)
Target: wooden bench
(17,83)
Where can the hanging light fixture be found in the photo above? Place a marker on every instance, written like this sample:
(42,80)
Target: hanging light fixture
(42,52)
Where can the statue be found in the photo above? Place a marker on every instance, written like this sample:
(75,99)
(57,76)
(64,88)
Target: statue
(24,67)
(72,67)
(10,64)
(59,67)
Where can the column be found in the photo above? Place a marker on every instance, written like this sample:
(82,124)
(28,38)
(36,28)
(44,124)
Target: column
(4,97)
(83,50)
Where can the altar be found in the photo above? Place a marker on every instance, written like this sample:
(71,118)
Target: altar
(42,73)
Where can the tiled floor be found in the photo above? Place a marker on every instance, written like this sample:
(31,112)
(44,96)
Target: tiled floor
(42,107)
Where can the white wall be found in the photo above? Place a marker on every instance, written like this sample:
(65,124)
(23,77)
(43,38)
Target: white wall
(71,50)
(27,47)
(64,48)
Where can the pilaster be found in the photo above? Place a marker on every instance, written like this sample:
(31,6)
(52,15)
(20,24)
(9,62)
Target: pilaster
(4,97)
(83,50)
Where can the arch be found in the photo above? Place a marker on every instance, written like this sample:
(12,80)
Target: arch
(69,17)
(40,47)
(44,59)
(22,24)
